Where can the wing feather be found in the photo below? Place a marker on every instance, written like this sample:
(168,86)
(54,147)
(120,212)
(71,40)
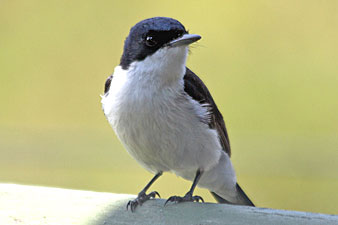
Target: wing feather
(195,88)
(107,84)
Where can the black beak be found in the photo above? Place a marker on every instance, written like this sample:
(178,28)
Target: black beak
(186,39)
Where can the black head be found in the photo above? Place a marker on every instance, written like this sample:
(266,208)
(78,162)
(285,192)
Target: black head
(149,35)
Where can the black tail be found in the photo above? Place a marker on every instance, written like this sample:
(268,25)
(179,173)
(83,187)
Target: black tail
(243,198)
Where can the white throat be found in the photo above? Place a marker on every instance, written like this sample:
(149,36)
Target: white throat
(164,67)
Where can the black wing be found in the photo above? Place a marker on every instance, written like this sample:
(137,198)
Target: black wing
(107,84)
(195,87)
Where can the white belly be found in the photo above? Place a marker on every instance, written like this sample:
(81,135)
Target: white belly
(161,128)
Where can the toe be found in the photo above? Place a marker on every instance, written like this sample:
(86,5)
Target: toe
(175,199)
(132,204)
(154,194)
(128,205)
(141,198)
(198,198)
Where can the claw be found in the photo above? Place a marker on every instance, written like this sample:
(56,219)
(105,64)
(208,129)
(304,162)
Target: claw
(171,199)
(131,204)
(141,198)
(154,194)
(158,194)
(187,198)
(198,198)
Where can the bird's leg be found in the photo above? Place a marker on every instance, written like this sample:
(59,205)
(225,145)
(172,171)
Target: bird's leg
(142,196)
(188,197)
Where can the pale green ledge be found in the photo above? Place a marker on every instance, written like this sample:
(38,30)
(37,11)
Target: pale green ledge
(34,205)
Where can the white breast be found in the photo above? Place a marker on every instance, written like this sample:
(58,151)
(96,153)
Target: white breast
(160,127)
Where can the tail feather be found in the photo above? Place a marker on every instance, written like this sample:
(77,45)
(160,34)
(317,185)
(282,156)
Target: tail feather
(243,199)
(219,199)
(244,196)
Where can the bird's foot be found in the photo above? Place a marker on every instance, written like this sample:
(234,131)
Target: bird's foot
(187,198)
(141,198)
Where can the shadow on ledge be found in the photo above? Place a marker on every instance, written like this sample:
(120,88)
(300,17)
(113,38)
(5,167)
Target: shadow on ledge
(154,212)
(24,204)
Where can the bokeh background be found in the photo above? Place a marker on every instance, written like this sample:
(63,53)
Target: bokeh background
(271,66)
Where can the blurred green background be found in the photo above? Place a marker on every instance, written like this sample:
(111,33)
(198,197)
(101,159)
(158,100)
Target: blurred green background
(271,66)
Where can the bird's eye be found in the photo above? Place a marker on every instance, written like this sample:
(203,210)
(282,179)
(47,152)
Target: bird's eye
(150,41)
(178,34)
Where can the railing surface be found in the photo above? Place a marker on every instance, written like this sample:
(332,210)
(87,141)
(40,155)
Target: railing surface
(22,204)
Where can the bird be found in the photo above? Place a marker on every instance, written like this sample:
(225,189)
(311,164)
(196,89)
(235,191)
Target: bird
(165,117)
